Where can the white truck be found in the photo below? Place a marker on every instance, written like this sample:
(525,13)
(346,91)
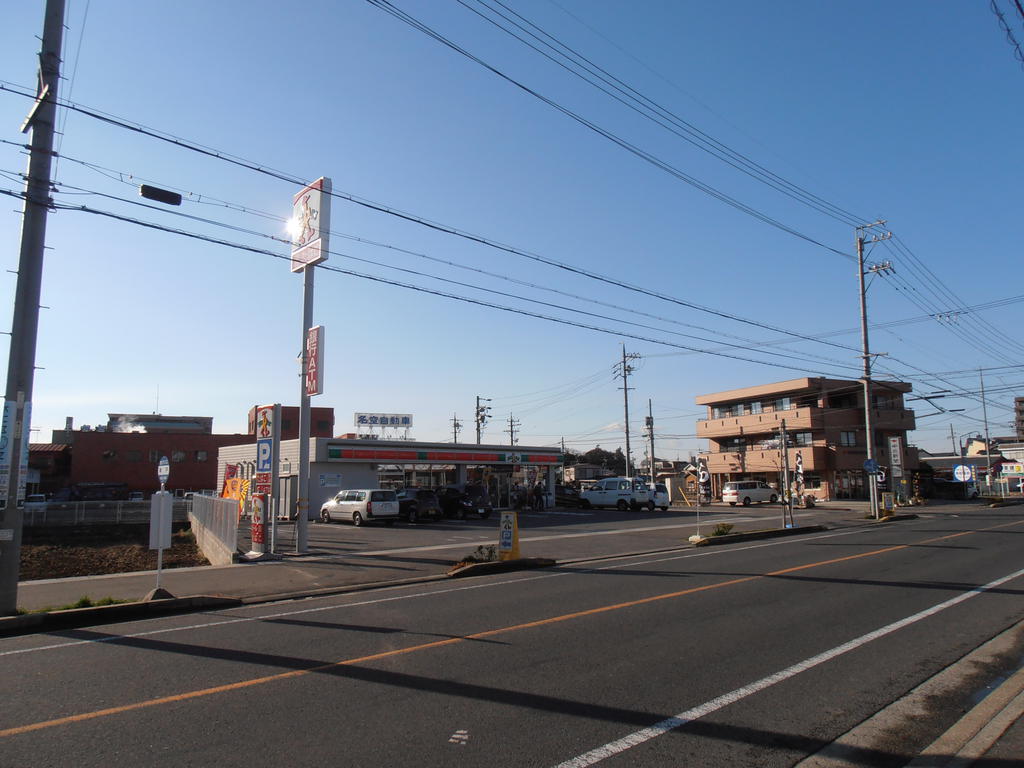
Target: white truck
(620,492)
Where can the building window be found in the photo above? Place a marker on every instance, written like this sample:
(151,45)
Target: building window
(802,438)
(732,445)
(755,407)
(783,404)
(718,412)
(200,455)
(177,456)
(812,482)
(109,455)
(154,456)
(848,438)
(737,409)
(133,455)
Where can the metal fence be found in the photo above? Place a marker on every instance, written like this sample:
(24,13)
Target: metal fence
(54,514)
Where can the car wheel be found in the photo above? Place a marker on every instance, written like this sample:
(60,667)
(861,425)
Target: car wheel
(585,504)
(325,516)
(413,515)
(772,499)
(746,501)
(621,505)
(650,506)
(357,518)
(664,509)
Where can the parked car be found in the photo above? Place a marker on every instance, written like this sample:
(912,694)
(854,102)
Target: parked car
(417,503)
(474,500)
(620,492)
(35,501)
(361,505)
(567,496)
(954,489)
(746,492)
(659,495)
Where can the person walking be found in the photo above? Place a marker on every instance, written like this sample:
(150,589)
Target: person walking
(538,497)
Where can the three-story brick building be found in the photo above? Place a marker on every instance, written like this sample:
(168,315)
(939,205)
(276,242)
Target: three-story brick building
(825,424)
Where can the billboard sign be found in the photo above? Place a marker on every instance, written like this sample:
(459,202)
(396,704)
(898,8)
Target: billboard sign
(315,361)
(403,420)
(310,224)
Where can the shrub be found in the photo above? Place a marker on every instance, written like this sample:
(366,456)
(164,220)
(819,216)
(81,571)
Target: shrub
(722,529)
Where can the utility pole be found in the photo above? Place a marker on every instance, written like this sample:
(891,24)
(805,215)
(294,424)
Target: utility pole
(17,410)
(512,424)
(869,435)
(650,436)
(988,443)
(784,447)
(624,370)
(456,427)
(482,414)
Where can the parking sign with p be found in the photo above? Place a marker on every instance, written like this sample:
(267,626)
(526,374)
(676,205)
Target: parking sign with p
(264,454)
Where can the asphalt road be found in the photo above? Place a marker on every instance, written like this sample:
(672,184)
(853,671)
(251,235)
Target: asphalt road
(752,654)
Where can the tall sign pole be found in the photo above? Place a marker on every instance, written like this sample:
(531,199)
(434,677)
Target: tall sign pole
(24,328)
(310,228)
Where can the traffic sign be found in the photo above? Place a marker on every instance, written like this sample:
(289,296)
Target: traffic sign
(871,466)
(264,454)
(963,472)
(163,470)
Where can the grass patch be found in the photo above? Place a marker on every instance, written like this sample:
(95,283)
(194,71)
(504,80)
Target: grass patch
(723,529)
(83,602)
(485,553)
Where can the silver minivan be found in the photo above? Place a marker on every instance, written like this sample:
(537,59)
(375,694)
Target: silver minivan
(361,505)
(746,492)
(621,492)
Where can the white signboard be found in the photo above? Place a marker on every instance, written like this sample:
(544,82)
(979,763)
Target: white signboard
(330,480)
(310,224)
(402,420)
(7,426)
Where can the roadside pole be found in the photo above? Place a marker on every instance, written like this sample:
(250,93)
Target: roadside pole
(25,325)
(309,226)
(160,521)
(786,496)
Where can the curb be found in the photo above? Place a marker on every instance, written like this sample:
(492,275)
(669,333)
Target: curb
(84,617)
(772,533)
(500,566)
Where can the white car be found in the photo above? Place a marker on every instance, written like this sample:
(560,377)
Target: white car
(659,495)
(746,492)
(620,492)
(362,505)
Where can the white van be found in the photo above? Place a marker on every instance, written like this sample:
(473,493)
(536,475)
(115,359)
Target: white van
(620,492)
(746,492)
(361,505)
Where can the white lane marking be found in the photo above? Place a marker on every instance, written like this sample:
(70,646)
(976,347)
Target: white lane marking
(646,734)
(362,603)
(459,737)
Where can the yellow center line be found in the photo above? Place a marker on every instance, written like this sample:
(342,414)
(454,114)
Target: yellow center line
(200,693)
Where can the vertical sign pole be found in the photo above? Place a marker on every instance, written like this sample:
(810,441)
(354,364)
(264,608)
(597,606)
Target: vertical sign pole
(160,552)
(275,478)
(302,523)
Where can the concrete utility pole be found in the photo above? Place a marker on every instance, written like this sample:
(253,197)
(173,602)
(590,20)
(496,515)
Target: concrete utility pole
(784,447)
(456,427)
(512,424)
(988,442)
(650,436)
(623,373)
(17,411)
(481,415)
(869,435)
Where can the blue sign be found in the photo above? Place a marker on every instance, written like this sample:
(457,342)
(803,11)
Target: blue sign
(871,466)
(264,454)
(163,470)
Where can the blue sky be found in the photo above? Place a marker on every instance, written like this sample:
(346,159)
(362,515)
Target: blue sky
(907,111)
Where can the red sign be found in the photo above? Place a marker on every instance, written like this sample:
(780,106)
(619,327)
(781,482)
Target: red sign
(261,482)
(314,360)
